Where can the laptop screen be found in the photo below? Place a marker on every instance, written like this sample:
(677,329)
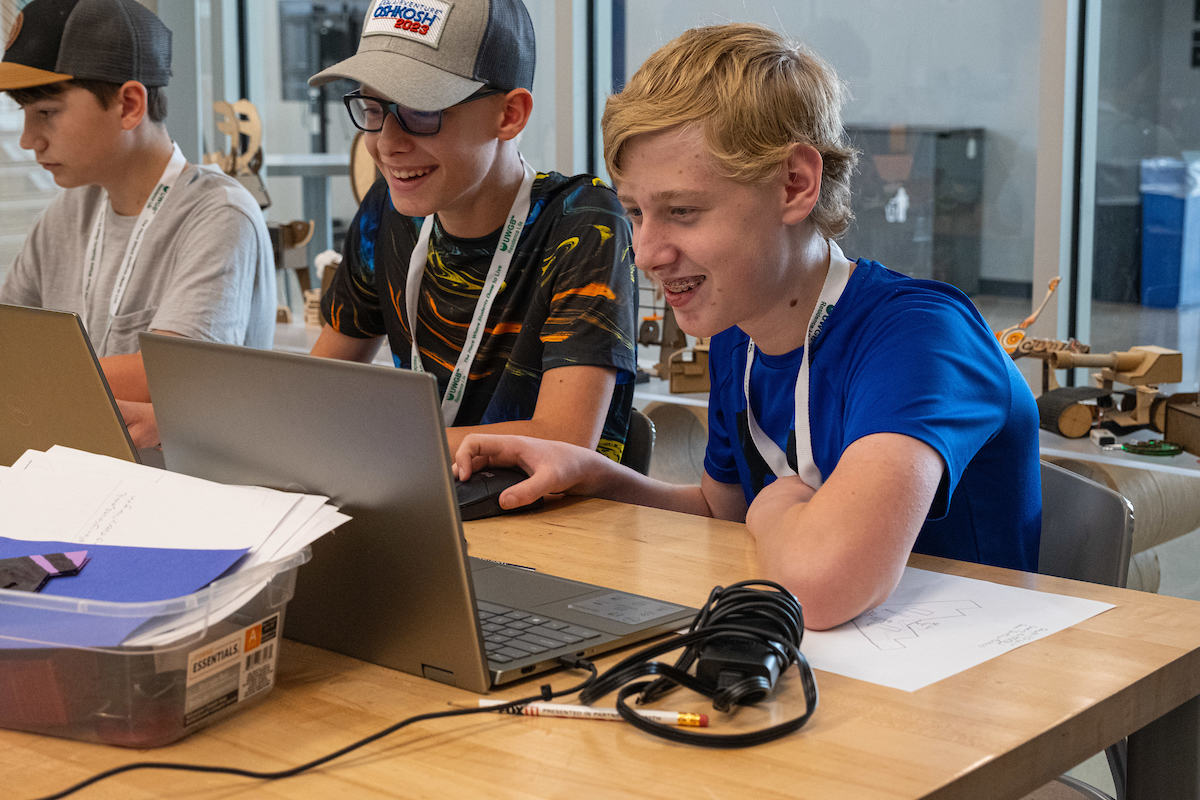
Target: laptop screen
(53,390)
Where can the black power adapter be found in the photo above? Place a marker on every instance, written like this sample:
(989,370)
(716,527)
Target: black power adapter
(742,666)
(743,639)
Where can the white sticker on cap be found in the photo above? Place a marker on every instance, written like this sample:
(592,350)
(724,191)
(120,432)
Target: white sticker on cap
(419,20)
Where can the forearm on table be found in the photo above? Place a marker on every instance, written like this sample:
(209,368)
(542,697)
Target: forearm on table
(332,344)
(126,376)
(612,481)
(842,549)
(805,551)
(557,468)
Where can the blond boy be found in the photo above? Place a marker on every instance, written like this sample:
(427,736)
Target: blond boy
(900,426)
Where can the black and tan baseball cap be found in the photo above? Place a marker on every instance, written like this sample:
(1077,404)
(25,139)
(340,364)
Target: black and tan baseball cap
(429,54)
(105,40)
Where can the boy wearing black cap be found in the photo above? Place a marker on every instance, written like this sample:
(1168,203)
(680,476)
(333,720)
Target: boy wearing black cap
(519,285)
(141,240)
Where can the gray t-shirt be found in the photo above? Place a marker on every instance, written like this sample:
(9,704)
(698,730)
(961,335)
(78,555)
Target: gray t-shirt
(205,269)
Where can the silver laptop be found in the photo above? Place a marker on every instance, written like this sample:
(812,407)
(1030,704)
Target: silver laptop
(52,390)
(394,586)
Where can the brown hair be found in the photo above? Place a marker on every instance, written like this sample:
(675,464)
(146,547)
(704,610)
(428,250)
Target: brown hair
(753,94)
(105,92)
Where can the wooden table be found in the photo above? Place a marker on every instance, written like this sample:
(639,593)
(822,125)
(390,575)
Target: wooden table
(997,730)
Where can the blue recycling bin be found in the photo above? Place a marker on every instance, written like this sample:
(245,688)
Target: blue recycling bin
(1170,233)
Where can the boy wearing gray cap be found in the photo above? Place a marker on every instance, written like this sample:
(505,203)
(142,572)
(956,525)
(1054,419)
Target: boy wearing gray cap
(140,240)
(514,288)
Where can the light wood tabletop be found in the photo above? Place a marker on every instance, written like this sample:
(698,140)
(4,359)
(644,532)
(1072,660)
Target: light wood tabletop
(997,730)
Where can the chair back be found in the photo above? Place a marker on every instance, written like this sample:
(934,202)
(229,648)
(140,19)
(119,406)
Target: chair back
(1087,529)
(639,442)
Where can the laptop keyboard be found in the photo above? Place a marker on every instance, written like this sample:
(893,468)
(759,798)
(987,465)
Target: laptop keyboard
(510,634)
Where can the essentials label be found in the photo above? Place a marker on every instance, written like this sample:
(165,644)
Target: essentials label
(231,670)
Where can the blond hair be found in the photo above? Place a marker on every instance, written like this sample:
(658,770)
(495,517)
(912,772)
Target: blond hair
(753,94)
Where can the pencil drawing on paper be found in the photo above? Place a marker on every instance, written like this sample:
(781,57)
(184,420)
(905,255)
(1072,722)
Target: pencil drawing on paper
(890,625)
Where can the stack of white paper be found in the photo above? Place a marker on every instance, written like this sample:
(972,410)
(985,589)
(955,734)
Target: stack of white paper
(66,495)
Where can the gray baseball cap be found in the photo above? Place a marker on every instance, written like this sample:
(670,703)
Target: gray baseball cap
(105,40)
(430,54)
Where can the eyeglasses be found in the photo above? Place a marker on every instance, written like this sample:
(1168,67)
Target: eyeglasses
(369,113)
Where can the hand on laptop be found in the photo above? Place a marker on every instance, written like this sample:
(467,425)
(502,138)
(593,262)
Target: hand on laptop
(139,419)
(554,467)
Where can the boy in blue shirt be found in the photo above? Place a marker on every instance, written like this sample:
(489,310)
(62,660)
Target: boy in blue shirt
(855,414)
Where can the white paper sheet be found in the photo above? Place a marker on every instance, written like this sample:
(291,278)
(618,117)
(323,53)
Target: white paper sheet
(934,626)
(73,496)
(309,518)
(92,509)
(53,501)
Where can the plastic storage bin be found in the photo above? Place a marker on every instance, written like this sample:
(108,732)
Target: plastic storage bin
(1170,232)
(147,696)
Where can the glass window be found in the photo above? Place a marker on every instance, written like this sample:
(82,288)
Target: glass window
(1144,221)
(25,188)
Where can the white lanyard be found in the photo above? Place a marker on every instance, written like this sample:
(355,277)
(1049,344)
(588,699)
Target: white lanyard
(835,283)
(96,243)
(509,235)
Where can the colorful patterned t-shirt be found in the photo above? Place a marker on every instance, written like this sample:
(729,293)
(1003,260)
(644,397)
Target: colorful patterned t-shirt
(569,298)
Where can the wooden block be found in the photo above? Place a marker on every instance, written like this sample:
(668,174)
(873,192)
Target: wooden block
(689,371)
(1183,423)
(1059,411)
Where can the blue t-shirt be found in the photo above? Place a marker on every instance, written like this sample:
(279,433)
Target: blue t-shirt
(898,355)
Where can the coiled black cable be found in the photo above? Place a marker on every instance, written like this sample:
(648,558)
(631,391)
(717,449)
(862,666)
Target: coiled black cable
(770,617)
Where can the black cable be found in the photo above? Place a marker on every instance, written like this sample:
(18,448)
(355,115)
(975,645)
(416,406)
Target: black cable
(770,619)
(545,694)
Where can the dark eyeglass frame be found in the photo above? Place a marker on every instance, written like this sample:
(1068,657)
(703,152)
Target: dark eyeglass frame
(398,111)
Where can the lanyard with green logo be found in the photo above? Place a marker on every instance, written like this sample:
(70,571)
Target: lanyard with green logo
(509,234)
(835,283)
(96,244)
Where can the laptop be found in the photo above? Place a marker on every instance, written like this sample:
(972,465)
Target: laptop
(53,390)
(394,586)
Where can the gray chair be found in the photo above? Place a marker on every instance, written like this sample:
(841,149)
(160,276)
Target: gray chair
(639,442)
(1087,535)
(1087,529)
